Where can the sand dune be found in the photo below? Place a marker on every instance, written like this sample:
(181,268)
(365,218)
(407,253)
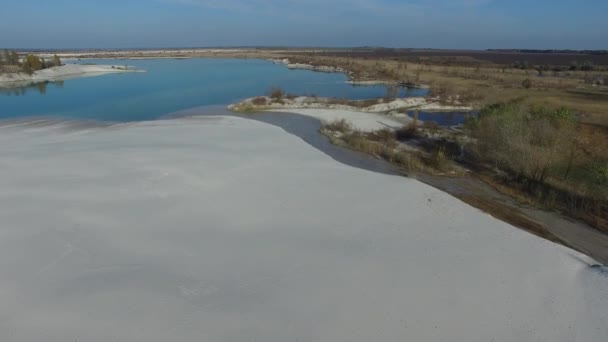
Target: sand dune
(225,229)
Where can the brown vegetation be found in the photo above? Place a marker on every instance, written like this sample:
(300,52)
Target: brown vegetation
(545,155)
(276,93)
(481,84)
(259,101)
(384,144)
(11,62)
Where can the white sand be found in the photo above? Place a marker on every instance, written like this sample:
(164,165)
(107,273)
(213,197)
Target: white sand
(63,72)
(327,109)
(362,121)
(223,229)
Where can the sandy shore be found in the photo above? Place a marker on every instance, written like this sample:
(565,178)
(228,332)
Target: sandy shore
(244,53)
(382,114)
(226,229)
(63,72)
(366,122)
(303,66)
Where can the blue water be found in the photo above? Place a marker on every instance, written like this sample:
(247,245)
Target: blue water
(171,85)
(444,119)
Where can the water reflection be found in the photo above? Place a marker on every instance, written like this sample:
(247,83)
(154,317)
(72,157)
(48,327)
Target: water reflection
(41,87)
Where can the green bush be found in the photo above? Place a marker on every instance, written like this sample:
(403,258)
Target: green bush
(599,171)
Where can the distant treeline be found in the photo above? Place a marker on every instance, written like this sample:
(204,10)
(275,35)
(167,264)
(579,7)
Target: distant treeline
(572,66)
(29,63)
(566,52)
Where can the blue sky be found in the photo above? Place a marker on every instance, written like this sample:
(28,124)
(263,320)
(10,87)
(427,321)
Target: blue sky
(470,24)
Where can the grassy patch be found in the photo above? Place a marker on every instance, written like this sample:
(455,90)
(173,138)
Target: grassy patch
(383,144)
(338,126)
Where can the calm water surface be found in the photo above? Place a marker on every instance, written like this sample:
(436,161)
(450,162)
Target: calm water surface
(171,85)
(445,119)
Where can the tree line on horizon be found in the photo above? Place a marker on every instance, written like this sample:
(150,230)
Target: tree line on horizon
(29,63)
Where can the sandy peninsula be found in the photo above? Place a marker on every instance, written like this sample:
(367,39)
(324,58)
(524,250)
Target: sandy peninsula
(64,72)
(227,229)
(365,115)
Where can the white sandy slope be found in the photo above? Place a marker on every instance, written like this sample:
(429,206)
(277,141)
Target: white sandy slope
(63,72)
(223,229)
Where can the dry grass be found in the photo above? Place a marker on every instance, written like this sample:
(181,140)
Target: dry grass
(383,144)
(259,101)
(355,103)
(276,93)
(484,84)
(338,126)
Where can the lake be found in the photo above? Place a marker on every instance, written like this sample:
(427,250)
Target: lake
(171,85)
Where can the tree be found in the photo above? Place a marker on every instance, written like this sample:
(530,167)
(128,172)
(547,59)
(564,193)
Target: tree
(6,57)
(32,63)
(14,58)
(56,61)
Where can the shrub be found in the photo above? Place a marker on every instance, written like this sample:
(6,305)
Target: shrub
(527,83)
(438,159)
(56,61)
(259,101)
(9,58)
(385,136)
(357,141)
(32,63)
(431,126)
(407,132)
(276,93)
(526,142)
(599,171)
(339,126)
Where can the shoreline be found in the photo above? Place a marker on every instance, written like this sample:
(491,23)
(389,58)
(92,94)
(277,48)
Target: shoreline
(553,226)
(352,80)
(391,107)
(60,73)
(548,225)
(274,56)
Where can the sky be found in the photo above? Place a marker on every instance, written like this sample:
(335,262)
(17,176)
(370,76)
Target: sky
(454,24)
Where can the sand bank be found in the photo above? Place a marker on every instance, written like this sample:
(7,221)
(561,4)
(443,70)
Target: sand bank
(63,72)
(225,229)
(304,66)
(366,122)
(363,115)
